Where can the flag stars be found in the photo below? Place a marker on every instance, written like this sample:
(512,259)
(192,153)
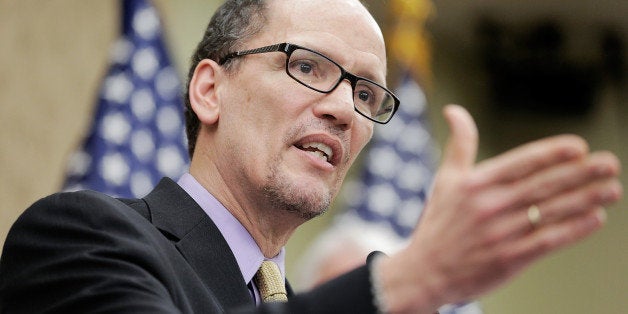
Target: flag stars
(393,130)
(383,199)
(133,142)
(169,161)
(121,51)
(408,212)
(168,121)
(114,169)
(384,162)
(398,170)
(416,107)
(142,145)
(140,183)
(115,128)
(79,163)
(413,176)
(143,104)
(117,88)
(167,84)
(353,193)
(146,23)
(415,139)
(145,63)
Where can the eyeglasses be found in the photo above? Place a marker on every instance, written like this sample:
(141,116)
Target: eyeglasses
(322,74)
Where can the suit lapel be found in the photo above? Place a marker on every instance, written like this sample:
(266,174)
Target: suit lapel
(200,242)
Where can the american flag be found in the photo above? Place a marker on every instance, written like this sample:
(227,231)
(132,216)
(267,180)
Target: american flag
(398,168)
(398,171)
(137,135)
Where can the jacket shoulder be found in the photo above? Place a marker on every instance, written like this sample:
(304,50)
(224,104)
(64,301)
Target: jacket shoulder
(71,247)
(84,207)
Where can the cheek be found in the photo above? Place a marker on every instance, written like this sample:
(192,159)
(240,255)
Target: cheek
(360,135)
(277,102)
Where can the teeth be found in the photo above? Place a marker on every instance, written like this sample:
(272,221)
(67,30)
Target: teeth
(323,151)
(318,154)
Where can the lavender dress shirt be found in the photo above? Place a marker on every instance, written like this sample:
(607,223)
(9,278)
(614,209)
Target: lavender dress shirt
(244,248)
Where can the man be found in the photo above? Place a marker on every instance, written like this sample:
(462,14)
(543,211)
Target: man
(273,125)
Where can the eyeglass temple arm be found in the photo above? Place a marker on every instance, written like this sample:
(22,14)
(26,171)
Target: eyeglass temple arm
(271,48)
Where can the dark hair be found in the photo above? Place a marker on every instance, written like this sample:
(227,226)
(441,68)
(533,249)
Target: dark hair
(234,22)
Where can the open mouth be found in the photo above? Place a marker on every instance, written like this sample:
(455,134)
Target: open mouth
(318,150)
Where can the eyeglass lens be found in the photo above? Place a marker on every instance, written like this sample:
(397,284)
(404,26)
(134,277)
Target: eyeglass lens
(319,73)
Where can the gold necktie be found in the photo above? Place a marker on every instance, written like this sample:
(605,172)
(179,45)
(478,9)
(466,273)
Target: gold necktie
(270,284)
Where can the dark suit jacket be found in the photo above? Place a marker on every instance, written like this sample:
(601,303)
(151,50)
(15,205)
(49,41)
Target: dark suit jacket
(85,252)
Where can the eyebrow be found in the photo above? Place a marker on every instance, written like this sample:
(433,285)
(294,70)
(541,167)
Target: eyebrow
(368,74)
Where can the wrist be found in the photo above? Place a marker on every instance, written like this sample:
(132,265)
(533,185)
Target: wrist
(395,290)
(379,298)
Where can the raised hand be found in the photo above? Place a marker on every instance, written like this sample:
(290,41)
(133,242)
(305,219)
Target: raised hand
(486,222)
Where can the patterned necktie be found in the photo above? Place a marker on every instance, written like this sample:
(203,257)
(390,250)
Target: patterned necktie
(270,284)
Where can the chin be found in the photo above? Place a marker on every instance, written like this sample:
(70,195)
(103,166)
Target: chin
(300,192)
(300,198)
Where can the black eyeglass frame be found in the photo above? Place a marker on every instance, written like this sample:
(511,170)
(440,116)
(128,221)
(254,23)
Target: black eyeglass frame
(288,49)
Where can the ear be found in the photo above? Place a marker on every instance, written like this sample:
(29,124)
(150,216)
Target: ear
(202,91)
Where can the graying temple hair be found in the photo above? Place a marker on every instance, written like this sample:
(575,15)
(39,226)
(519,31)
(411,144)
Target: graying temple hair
(233,23)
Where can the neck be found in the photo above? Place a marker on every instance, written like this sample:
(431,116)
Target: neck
(268,229)
(271,228)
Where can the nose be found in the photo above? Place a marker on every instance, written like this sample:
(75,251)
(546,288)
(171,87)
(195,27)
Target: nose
(337,106)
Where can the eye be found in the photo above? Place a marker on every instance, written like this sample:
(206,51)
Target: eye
(364,101)
(305,68)
(364,96)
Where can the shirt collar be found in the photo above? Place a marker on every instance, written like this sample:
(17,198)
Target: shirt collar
(246,251)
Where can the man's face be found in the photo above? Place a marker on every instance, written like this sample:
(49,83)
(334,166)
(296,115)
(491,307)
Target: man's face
(282,145)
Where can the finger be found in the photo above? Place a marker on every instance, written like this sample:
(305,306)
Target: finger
(549,238)
(562,202)
(575,175)
(515,224)
(461,149)
(577,202)
(527,159)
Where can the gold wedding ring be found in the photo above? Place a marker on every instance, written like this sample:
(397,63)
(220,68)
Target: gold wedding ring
(534,215)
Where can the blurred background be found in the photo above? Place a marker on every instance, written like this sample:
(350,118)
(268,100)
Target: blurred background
(524,69)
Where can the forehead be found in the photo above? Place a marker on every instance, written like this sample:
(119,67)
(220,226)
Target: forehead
(341,29)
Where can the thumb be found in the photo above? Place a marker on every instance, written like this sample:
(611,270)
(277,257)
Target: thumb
(462,146)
